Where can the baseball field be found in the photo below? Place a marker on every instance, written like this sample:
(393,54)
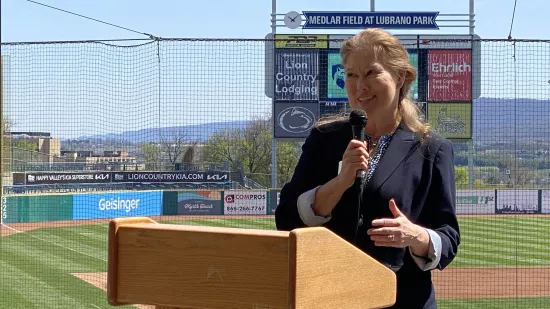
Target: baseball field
(503,262)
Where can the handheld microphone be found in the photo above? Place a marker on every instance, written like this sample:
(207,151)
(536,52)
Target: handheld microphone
(358,121)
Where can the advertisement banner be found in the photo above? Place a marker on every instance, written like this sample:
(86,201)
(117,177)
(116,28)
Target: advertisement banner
(296,75)
(336,78)
(301,41)
(115,205)
(176,176)
(413,58)
(517,201)
(545,201)
(423,107)
(451,120)
(335,41)
(36,208)
(107,177)
(333,108)
(449,75)
(469,202)
(295,120)
(81,177)
(4,209)
(245,202)
(200,202)
(274,196)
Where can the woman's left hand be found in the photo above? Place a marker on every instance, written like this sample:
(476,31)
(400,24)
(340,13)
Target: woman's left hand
(399,232)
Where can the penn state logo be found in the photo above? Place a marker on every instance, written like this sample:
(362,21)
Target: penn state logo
(296,119)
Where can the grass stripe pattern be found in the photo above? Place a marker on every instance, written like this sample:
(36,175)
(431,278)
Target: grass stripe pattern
(36,265)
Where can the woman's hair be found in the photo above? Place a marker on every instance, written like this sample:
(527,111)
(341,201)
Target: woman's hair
(393,55)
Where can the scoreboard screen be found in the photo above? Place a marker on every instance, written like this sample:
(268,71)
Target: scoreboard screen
(307,81)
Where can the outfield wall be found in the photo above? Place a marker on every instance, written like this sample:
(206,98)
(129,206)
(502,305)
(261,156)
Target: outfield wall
(55,207)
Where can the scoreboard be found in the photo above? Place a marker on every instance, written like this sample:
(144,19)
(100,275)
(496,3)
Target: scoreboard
(306,81)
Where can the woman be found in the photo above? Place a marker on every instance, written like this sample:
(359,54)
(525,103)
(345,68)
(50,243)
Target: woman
(407,216)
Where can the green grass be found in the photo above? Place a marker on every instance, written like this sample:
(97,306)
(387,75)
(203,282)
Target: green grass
(504,241)
(36,266)
(495,303)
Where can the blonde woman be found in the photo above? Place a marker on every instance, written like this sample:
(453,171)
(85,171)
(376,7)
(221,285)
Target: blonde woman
(407,216)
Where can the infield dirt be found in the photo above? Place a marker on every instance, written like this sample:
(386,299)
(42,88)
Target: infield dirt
(456,283)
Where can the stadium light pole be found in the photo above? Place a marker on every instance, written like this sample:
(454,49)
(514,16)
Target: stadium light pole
(273,139)
(471,140)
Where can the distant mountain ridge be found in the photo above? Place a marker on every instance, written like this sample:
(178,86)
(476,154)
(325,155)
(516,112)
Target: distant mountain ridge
(493,119)
(508,119)
(200,132)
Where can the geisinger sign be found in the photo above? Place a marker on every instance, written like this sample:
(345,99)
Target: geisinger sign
(118,204)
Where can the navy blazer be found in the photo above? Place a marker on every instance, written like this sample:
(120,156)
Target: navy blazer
(419,176)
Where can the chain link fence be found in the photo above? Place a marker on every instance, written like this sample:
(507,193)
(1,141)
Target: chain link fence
(180,123)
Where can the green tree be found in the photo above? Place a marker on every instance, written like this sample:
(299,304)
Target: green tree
(288,154)
(6,154)
(24,144)
(461,177)
(251,147)
(151,154)
(6,127)
(480,184)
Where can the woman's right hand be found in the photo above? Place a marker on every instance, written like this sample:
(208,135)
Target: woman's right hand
(355,158)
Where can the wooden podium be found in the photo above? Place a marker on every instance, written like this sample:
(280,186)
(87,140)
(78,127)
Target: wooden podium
(179,266)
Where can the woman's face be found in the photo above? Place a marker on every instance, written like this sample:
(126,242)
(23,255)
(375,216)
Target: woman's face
(371,86)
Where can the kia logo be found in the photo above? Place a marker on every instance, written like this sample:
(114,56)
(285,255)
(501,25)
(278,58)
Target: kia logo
(102,176)
(216,177)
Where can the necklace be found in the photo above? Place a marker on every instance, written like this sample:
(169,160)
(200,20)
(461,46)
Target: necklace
(372,144)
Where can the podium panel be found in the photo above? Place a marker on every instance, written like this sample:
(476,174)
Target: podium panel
(179,266)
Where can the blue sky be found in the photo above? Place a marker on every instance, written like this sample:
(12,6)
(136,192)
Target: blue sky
(26,21)
(73,90)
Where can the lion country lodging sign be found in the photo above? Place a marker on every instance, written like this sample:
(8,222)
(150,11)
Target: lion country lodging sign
(120,177)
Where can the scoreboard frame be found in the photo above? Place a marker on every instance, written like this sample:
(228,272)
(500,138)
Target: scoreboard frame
(451,115)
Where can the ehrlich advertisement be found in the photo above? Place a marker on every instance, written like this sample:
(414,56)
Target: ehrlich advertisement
(449,75)
(475,202)
(245,202)
(115,205)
